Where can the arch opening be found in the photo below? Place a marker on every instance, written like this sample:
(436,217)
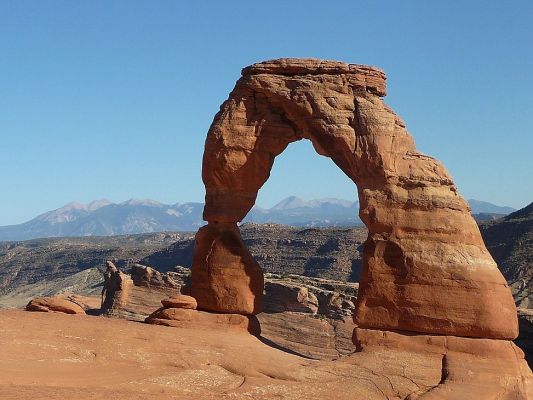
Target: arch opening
(306,192)
(301,178)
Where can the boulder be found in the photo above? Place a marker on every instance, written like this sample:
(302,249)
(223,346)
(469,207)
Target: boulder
(180,301)
(54,304)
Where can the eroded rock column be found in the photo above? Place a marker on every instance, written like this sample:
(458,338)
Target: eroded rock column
(225,277)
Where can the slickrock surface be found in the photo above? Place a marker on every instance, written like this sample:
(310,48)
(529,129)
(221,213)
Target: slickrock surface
(469,368)
(310,336)
(60,356)
(54,304)
(425,266)
(88,303)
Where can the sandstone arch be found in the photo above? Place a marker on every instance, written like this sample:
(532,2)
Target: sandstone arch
(425,266)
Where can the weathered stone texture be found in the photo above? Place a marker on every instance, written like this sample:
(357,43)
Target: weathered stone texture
(425,267)
(137,295)
(226,278)
(54,304)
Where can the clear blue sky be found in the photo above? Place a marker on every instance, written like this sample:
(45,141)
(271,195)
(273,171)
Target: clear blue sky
(113,99)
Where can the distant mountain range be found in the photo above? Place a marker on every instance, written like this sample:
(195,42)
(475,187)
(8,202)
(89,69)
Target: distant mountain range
(313,213)
(483,207)
(104,218)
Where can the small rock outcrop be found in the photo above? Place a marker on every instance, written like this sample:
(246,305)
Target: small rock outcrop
(180,301)
(137,295)
(144,276)
(296,293)
(180,312)
(54,304)
(282,296)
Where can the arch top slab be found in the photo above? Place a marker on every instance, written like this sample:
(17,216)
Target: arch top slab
(425,266)
(364,77)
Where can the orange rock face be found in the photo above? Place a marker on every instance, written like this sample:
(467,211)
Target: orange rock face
(225,276)
(469,368)
(426,268)
(188,318)
(180,301)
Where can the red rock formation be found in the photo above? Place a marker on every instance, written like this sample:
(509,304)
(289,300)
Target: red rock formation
(226,278)
(54,304)
(180,311)
(137,296)
(469,368)
(426,268)
(180,301)
(187,318)
(287,296)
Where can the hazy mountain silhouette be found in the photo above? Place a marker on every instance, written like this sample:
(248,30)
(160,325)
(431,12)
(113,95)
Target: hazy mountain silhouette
(104,218)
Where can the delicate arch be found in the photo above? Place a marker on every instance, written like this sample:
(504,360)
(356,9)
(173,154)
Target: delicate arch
(425,267)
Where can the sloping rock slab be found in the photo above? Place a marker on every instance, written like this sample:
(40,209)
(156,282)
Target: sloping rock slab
(307,335)
(88,303)
(188,318)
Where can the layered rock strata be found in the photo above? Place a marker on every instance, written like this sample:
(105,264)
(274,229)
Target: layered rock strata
(180,312)
(425,267)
